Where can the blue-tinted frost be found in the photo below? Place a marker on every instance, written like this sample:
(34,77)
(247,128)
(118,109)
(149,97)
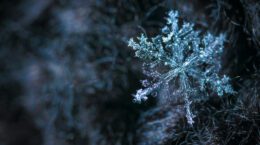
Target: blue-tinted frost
(193,63)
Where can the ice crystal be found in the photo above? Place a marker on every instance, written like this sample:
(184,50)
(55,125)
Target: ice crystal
(183,60)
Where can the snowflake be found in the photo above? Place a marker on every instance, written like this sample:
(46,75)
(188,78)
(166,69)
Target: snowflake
(183,60)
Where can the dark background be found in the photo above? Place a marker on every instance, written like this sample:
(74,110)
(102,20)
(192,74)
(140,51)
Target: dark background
(67,76)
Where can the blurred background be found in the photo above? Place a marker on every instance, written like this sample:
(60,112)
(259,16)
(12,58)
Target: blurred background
(67,76)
